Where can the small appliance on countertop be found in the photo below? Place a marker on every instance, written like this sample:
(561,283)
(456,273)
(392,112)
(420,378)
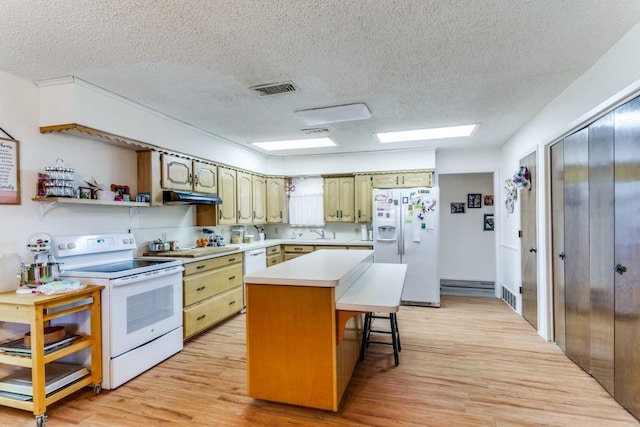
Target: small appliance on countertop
(213,238)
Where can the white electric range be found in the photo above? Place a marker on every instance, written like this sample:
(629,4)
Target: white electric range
(141,301)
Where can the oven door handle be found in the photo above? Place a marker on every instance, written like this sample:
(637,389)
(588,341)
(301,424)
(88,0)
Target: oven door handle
(149,275)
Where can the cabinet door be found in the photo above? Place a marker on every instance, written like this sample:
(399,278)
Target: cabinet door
(627,256)
(205,177)
(415,179)
(275,200)
(387,180)
(244,200)
(363,202)
(259,187)
(227,192)
(347,199)
(332,199)
(176,173)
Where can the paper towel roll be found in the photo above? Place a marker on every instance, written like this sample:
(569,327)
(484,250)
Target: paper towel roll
(364,233)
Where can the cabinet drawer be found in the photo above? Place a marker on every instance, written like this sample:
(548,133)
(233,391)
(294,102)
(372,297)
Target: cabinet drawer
(361,247)
(271,250)
(298,248)
(211,311)
(211,263)
(198,287)
(273,260)
(288,256)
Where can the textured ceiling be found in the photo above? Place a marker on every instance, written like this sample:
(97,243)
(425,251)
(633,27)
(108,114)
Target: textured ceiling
(416,64)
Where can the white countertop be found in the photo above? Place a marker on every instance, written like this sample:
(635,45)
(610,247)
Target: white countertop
(243,247)
(322,268)
(378,290)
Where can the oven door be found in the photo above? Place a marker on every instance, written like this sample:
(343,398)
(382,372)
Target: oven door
(144,307)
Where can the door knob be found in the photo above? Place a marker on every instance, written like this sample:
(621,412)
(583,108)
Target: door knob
(533,250)
(620,269)
(561,255)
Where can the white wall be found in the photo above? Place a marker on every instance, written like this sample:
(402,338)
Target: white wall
(467,252)
(614,78)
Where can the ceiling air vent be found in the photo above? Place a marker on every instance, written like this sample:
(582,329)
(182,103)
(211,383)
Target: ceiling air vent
(315,131)
(274,88)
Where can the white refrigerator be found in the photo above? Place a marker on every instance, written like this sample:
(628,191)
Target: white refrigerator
(405,231)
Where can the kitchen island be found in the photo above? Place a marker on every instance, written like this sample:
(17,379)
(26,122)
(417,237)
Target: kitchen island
(304,323)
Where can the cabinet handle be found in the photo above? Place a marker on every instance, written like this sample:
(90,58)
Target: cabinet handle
(340,214)
(202,316)
(620,269)
(280,214)
(220,216)
(201,288)
(396,180)
(232,302)
(533,250)
(337,214)
(190,179)
(254,214)
(239,214)
(200,266)
(297,249)
(359,214)
(561,255)
(231,259)
(232,277)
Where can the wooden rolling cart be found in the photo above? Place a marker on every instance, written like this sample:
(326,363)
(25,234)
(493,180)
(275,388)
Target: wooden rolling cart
(36,311)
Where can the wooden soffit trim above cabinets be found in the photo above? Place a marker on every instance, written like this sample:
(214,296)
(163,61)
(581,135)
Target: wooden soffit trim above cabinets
(98,135)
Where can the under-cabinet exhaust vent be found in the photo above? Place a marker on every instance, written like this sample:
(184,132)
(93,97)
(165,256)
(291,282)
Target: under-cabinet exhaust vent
(274,88)
(509,297)
(315,131)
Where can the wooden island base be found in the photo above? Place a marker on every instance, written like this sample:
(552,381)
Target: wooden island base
(302,344)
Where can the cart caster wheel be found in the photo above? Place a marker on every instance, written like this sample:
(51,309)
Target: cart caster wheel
(41,420)
(97,389)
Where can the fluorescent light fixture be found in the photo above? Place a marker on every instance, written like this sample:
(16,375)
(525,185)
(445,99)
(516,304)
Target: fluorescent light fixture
(421,134)
(339,113)
(295,144)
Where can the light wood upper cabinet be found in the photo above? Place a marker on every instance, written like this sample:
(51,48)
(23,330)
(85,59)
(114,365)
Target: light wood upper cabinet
(244,198)
(184,174)
(275,200)
(339,199)
(259,188)
(402,180)
(176,173)
(227,192)
(363,189)
(205,177)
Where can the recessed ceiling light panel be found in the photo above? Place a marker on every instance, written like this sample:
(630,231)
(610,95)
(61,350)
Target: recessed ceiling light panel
(339,113)
(295,144)
(424,134)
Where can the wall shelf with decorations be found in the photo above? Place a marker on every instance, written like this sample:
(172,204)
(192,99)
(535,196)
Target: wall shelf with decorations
(48,203)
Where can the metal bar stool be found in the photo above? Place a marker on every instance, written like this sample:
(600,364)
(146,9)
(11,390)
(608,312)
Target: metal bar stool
(395,334)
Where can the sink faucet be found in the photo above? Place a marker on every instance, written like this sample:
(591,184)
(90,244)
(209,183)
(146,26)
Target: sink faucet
(319,233)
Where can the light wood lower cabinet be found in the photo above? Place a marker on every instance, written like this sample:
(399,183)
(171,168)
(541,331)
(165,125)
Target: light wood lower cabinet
(294,251)
(212,292)
(274,255)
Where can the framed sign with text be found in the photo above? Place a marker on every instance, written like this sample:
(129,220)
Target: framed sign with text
(9,171)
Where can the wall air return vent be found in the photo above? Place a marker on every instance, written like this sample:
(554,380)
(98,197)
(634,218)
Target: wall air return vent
(274,88)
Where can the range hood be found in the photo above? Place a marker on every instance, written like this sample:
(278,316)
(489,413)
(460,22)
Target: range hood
(187,198)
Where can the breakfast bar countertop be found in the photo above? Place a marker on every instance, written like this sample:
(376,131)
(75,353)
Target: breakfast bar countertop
(322,268)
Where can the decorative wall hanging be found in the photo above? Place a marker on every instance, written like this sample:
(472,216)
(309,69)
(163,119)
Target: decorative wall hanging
(9,170)
(488,200)
(511,196)
(474,200)
(457,207)
(489,222)
(522,178)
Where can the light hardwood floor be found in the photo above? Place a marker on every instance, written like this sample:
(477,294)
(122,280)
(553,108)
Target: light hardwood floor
(472,362)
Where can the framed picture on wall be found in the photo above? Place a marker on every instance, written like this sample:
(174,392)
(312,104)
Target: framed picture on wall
(489,224)
(488,200)
(457,207)
(474,200)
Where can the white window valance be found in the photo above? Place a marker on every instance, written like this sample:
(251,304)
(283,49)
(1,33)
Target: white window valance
(306,203)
